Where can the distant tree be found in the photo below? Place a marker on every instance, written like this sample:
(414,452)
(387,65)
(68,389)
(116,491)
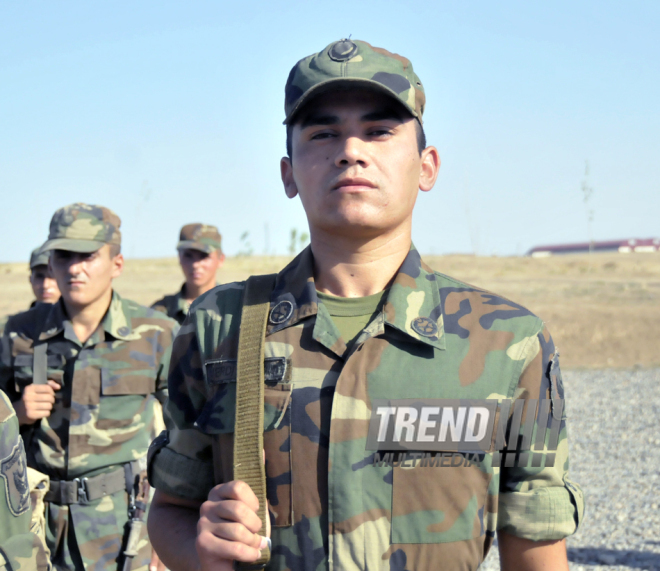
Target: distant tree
(587,193)
(246,247)
(297,241)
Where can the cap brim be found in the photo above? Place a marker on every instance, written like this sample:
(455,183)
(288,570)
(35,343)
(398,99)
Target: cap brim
(191,245)
(71,245)
(350,82)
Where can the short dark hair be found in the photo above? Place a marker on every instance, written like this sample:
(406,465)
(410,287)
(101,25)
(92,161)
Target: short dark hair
(421,138)
(115,250)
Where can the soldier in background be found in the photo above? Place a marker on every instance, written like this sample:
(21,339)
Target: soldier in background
(19,548)
(200,257)
(84,375)
(42,281)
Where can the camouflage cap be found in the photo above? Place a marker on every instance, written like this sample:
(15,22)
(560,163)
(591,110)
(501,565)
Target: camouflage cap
(83,228)
(353,63)
(38,258)
(202,237)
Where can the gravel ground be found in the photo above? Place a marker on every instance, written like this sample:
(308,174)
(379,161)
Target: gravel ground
(614,437)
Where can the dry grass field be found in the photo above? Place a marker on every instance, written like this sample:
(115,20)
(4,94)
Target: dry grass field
(603,310)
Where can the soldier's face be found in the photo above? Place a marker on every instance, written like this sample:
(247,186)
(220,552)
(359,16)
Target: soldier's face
(356,165)
(85,278)
(199,268)
(44,285)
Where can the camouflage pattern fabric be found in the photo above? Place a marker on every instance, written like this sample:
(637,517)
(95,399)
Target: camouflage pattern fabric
(202,237)
(20,550)
(330,506)
(83,228)
(39,258)
(174,306)
(102,419)
(353,63)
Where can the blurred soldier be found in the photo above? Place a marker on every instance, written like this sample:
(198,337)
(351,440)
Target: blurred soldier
(357,316)
(200,257)
(43,284)
(19,548)
(84,375)
(42,281)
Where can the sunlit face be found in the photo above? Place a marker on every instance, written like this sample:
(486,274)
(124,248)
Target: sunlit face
(85,278)
(199,268)
(44,285)
(356,164)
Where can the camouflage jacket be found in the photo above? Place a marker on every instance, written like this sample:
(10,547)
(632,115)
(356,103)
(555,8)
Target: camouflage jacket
(174,306)
(330,505)
(104,413)
(20,550)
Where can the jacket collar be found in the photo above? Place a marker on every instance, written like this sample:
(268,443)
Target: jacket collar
(116,321)
(413,304)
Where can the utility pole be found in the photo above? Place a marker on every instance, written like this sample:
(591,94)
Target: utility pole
(587,192)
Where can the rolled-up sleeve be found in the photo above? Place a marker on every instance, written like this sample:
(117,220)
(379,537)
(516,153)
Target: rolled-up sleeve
(541,503)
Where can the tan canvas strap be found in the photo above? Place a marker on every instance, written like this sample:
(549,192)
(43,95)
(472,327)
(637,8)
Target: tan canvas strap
(40,364)
(249,426)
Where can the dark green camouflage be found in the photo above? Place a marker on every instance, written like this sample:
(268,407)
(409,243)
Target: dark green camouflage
(83,228)
(103,416)
(331,507)
(353,63)
(39,258)
(202,237)
(174,306)
(20,550)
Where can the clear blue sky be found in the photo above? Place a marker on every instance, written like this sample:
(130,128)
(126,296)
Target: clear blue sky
(170,112)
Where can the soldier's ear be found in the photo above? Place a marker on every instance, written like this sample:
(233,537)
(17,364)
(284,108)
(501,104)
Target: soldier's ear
(429,168)
(286,170)
(117,265)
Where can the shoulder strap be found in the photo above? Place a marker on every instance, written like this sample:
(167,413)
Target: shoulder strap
(40,364)
(249,427)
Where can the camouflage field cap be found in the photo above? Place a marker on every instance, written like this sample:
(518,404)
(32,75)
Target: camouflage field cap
(202,237)
(38,258)
(353,62)
(83,228)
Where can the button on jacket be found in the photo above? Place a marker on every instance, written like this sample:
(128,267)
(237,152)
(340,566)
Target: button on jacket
(331,507)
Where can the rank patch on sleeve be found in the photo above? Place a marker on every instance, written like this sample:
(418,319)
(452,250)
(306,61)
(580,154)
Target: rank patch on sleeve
(13,471)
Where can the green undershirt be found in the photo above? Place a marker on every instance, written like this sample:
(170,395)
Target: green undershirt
(352,314)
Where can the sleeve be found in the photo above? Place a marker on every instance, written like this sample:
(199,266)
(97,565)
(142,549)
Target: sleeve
(537,499)
(166,342)
(7,383)
(180,459)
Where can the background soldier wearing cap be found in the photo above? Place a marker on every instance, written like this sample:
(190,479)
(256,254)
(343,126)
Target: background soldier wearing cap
(42,281)
(200,257)
(357,316)
(84,375)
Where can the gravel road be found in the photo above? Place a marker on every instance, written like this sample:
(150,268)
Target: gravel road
(614,435)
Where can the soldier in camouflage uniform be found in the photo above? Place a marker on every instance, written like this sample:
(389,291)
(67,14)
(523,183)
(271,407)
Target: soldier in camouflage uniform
(42,281)
(200,257)
(357,316)
(20,550)
(84,376)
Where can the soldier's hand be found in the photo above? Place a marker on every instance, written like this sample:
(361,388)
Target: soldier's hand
(36,402)
(228,526)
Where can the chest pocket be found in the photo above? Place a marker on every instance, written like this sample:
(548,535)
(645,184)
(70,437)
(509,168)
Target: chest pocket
(119,381)
(218,417)
(440,502)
